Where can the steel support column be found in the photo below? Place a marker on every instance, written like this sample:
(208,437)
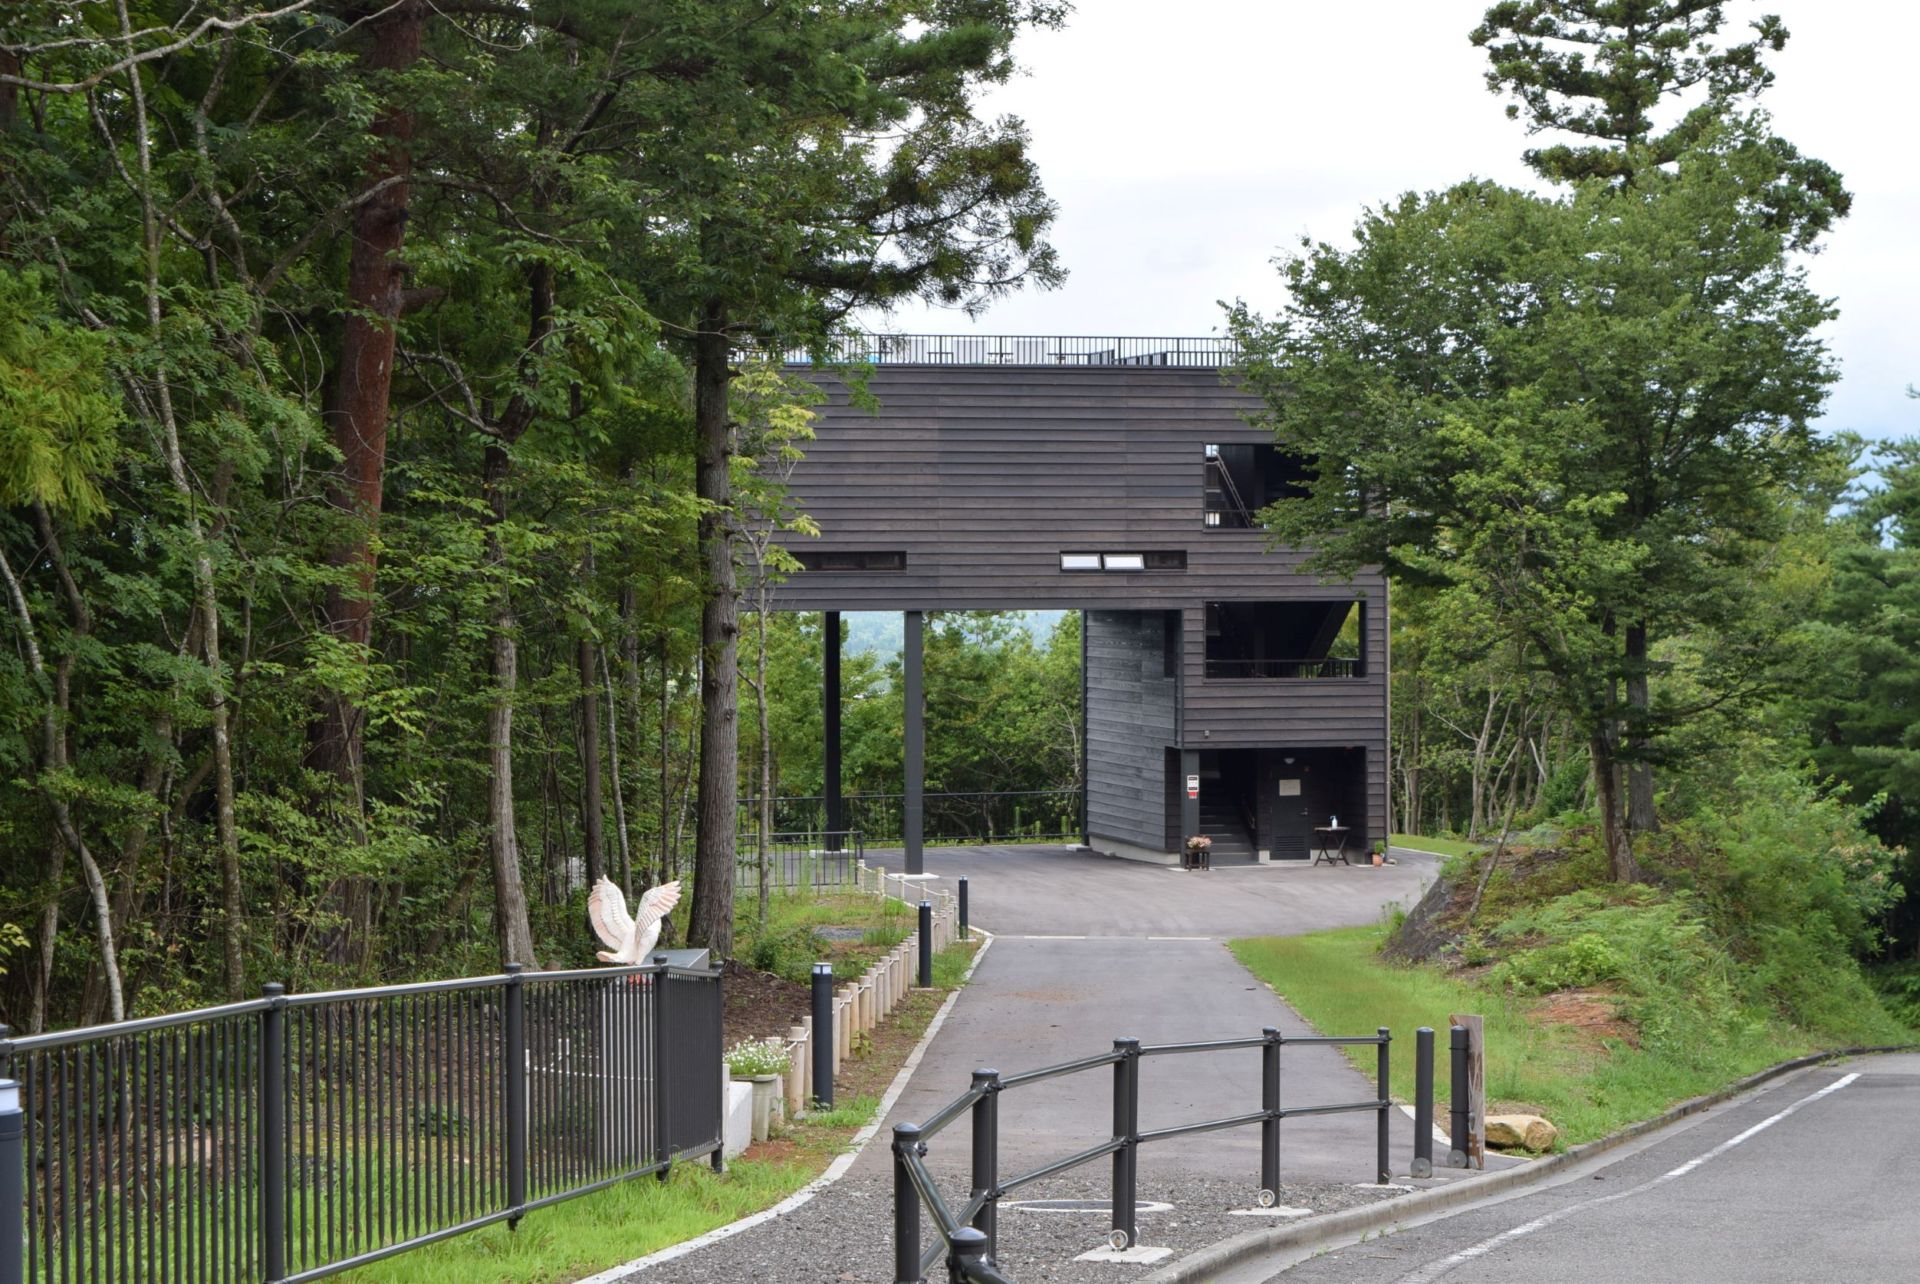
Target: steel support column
(1189,805)
(913,818)
(836,817)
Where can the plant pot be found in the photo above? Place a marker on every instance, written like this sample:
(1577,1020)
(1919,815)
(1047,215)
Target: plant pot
(766,1091)
(1378,860)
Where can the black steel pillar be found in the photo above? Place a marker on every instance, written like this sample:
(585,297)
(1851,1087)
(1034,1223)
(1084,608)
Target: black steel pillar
(986,1155)
(1126,1130)
(1385,1164)
(966,932)
(913,817)
(1270,1126)
(1189,800)
(836,805)
(906,1207)
(822,1036)
(1423,1102)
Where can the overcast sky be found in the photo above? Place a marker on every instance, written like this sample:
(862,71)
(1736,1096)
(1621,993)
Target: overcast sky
(1188,143)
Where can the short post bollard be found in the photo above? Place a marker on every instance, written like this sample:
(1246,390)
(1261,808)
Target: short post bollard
(1423,1102)
(1270,1126)
(1385,1164)
(926,944)
(969,1251)
(13,1128)
(986,1156)
(966,932)
(1126,1130)
(906,1206)
(1457,1136)
(823,1036)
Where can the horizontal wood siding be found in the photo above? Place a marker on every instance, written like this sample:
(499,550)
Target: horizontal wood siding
(1131,720)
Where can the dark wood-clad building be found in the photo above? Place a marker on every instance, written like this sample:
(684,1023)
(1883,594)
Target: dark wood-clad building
(1117,478)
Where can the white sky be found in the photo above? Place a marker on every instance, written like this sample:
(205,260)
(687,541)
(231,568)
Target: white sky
(1188,143)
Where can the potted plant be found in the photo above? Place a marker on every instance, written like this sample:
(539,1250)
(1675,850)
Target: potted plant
(1379,851)
(760,1062)
(1197,848)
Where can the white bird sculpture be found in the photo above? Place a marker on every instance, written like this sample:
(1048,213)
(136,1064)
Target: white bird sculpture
(629,939)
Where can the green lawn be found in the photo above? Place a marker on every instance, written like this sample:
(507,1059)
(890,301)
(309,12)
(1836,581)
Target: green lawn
(1337,981)
(1438,846)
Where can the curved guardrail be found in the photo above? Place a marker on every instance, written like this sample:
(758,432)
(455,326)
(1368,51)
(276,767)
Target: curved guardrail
(968,1236)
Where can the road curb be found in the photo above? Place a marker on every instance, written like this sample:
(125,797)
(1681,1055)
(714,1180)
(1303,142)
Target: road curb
(834,1171)
(1208,1262)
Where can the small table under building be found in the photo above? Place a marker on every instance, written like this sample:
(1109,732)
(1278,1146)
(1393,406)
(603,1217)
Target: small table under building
(1330,844)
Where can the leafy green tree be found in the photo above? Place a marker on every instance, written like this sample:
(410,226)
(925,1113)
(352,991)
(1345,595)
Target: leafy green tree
(1584,411)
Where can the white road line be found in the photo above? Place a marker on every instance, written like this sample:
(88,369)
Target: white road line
(1179,938)
(1053,938)
(1435,1269)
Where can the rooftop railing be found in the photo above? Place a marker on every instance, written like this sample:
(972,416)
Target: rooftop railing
(1203,353)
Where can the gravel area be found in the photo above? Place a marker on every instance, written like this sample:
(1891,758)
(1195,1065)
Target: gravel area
(845,1234)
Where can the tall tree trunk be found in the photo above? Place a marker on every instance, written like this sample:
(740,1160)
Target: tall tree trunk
(669,839)
(625,840)
(357,412)
(592,805)
(1613,821)
(1640,814)
(711,923)
(511,923)
(764,837)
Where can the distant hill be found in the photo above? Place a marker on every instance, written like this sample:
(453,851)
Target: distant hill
(880,632)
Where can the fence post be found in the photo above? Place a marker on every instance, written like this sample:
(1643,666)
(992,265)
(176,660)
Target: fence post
(966,932)
(926,944)
(969,1246)
(986,1156)
(906,1207)
(1457,1136)
(514,1080)
(823,1036)
(273,1130)
(1385,1164)
(13,1128)
(1423,1102)
(1126,1129)
(1270,1126)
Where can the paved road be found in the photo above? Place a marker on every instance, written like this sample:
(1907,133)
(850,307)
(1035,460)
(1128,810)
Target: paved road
(1812,1179)
(1090,949)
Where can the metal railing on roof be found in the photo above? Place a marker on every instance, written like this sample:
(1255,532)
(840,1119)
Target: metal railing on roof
(1205,352)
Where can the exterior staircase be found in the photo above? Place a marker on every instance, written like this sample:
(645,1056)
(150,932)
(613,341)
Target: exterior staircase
(1222,821)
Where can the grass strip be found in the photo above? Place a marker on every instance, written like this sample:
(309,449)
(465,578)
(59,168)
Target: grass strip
(1587,1085)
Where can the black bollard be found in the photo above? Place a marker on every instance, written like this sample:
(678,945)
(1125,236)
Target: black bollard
(1423,1102)
(966,933)
(823,1036)
(1457,1144)
(926,944)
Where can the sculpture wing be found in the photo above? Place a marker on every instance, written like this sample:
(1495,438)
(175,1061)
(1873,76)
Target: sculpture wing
(607,911)
(657,903)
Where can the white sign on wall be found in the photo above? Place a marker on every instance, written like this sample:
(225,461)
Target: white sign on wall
(1290,788)
(1193,786)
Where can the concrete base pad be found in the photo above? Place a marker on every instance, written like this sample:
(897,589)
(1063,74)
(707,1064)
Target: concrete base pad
(1278,1210)
(1138,1255)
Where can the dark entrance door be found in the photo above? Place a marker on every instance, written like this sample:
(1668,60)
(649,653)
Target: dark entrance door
(1305,789)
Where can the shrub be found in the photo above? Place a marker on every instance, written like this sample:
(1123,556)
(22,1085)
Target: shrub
(751,1057)
(790,954)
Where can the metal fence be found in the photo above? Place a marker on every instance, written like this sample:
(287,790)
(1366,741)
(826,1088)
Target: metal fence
(1202,352)
(292,1137)
(1005,816)
(968,1233)
(1326,667)
(800,860)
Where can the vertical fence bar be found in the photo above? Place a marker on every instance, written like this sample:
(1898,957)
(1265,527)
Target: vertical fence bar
(1385,1164)
(926,944)
(966,932)
(1423,1102)
(1270,1126)
(986,1156)
(906,1207)
(823,1036)
(514,1085)
(273,1131)
(1457,1134)
(13,1169)
(1126,1130)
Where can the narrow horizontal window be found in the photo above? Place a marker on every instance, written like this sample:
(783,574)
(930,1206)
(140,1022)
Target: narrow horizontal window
(1171,559)
(815,559)
(1079,561)
(1125,561)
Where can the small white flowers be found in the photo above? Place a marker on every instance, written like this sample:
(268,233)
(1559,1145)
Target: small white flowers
(751,1057)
